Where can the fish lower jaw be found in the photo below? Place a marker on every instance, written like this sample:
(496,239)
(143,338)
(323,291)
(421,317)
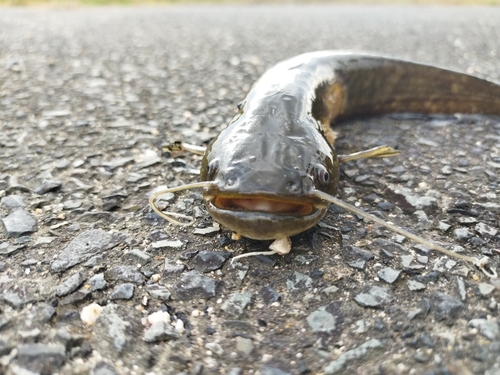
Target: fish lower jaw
(265,225)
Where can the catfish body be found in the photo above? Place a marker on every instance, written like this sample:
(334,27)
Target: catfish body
(265,166)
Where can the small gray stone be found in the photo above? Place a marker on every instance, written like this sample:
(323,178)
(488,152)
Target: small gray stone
(415,285)
(138,256)
(485,230)
(13,201)
(358,264)
(75,298)
(487,328)
(94,261)
(385,206)
(97,282)
(122,291)
(167,244)
(207,230)
(29,262)
(48,186)
(71,205)
(327,319)
(407,263)
(298,282)
(112,331)
(461,289)
(194,284)
(269,295)
(485,289)
(388,275)
(467,220)
(422,250)
(17,296)
(443,227)
(343,360)
(244,346)
(462,234)
(207,261)
(41,314)
(215,348)
(8,249)
(236,304)
(272,370)
(422,259)
(446,307)
(19,223)
(375,297)
(422,356)
(158,291)
(44,240)
(41,358)
(359,254)
(128,274)
(171,268)
(117,163)
(160,331)
(330,290)
(71,284)
(15,185)
(85,246)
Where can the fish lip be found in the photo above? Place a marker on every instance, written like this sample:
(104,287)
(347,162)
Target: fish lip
(300,200)
(263,225)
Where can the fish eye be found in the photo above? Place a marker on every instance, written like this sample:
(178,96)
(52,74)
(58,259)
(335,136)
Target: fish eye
(322,174)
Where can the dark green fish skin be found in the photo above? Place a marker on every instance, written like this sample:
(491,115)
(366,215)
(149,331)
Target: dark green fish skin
(279,147)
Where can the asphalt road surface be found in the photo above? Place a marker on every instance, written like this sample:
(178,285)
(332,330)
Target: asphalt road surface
(92,282)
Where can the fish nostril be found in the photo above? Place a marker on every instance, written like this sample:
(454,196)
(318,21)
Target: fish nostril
(230,182)
(293,187)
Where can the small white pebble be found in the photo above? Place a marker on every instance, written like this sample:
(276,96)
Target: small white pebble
(90,313)
(210,362)
(159,316)
(199,342)
(195,313)
(155,278)
(266,358)
(179,326)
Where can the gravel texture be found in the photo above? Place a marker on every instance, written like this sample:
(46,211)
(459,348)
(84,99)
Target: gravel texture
(93,282)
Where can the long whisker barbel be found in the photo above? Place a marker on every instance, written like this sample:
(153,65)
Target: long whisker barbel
(169,215)
(480,263)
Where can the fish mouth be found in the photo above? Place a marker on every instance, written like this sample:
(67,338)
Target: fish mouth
(264,217)
(263,205)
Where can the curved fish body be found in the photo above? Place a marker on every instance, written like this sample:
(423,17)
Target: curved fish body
(278,150)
